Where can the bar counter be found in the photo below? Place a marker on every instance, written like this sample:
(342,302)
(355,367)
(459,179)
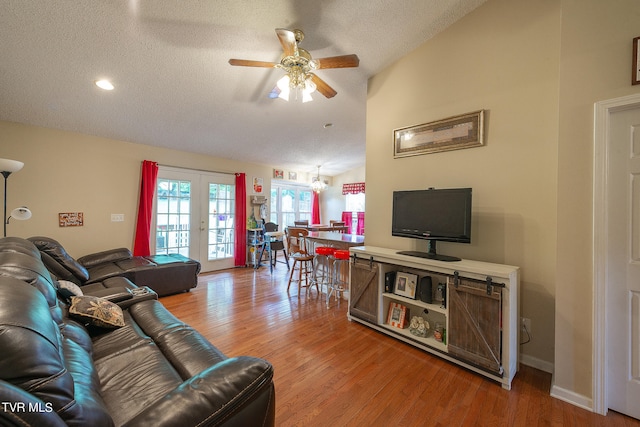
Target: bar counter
(335,239)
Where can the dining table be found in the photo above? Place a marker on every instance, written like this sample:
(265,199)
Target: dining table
(326,227)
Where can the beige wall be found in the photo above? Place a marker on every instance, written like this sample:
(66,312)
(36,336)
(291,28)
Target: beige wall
(71,172)
(595,65)
(503,58)
(332,201)
(537,68)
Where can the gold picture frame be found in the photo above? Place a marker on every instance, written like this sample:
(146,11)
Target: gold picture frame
(635,72)
(453,133)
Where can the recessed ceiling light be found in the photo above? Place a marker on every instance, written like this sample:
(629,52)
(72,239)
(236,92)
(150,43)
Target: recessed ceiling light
(104,84)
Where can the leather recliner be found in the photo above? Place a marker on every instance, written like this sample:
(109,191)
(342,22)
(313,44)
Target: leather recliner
(165,274)
(155,370)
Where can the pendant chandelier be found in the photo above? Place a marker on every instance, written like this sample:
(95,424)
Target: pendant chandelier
(317,185)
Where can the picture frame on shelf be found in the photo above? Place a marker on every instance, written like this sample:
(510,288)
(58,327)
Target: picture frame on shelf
(398,315)
(406,285)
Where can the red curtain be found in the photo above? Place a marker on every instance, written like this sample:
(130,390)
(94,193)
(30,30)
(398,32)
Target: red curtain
(315,208)
(145,208)
(346,218)
(240,247)
(360,230)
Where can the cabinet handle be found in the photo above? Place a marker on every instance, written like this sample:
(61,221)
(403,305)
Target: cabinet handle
(456,278)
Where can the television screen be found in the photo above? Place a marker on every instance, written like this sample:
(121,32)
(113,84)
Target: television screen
(433,214)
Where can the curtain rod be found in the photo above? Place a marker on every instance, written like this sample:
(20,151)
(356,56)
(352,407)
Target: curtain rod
(197,170)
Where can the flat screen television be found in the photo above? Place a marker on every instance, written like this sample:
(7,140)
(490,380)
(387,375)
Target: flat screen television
(434,215)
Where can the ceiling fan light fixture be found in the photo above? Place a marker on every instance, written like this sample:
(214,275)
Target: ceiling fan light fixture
(306,96)
(309,88)
(283,85)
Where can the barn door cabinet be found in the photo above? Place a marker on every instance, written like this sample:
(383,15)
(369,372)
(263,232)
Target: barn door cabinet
(474,307)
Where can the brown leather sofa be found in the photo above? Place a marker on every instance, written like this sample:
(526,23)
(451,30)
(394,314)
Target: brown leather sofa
(58,370)
(165,274)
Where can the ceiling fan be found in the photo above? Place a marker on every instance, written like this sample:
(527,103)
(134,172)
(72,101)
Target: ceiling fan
(299,66)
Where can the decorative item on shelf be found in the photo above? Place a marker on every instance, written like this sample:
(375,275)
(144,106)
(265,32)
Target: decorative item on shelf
(7,167)
(406,285)
(419,326)
(398,315)
(441,294)
(389,281)
(251,221)
(317,185)
(439,333)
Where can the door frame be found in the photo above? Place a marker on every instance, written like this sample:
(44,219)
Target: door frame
(602,123)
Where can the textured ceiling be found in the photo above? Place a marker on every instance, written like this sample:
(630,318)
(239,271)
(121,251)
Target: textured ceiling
(174,87)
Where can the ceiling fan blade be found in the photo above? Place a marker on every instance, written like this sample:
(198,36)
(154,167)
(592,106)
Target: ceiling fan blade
(287,40)
(344,61)
(323,87)
(250,63)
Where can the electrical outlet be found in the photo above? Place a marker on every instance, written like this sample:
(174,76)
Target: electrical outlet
(525,325)
(117,217)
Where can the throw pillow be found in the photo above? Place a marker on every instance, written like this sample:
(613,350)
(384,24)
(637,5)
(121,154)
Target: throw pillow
(97,311)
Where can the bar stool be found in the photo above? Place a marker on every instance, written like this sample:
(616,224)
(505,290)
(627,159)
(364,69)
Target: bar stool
(322,266)
(339,283)
(303,260)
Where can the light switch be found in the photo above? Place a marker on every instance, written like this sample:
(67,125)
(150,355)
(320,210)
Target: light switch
(117,217)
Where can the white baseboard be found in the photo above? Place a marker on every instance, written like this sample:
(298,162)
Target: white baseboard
(568,396)
(534,362)
(571,397)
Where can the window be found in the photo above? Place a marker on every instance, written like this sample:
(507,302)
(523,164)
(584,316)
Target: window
(173,217)
(354,204)
(221,220)
(289,203)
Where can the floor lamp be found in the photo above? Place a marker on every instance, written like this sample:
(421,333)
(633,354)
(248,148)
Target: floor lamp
(7,167)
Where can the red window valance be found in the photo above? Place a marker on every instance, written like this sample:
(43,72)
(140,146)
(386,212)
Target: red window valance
(353,188)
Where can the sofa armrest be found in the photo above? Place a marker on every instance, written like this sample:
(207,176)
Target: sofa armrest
(19,408)
(238,391)
(112,255)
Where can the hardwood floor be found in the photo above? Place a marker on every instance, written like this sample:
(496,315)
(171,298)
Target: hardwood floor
(332,372)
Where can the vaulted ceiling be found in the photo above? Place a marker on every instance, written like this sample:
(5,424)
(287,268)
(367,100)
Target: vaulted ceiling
(174,87)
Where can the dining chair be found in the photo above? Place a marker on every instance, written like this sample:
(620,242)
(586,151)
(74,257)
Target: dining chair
(273,245)
(335,223)
(296,246)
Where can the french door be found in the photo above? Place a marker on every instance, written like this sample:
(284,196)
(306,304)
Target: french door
(195,216)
